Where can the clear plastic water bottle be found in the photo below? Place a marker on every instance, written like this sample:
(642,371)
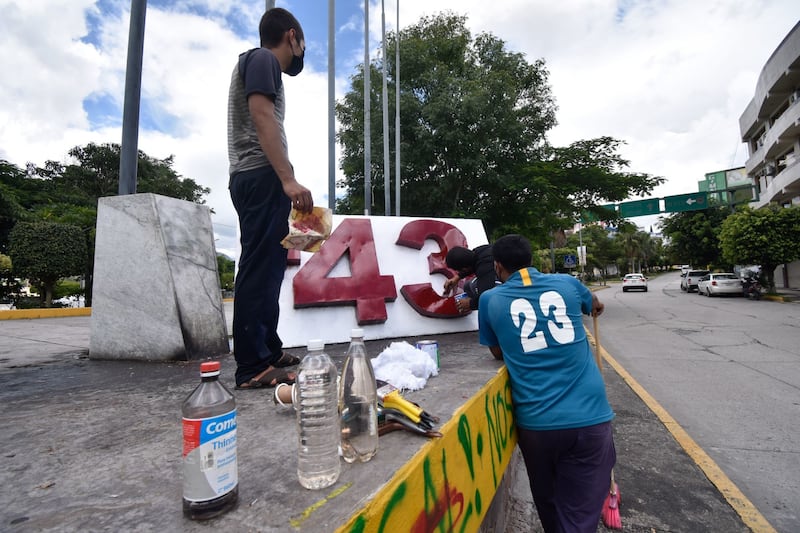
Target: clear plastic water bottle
(358,403)
(210,474)
(315,401)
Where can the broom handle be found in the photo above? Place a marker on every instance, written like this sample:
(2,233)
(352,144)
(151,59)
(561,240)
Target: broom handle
(600,366)
(597,357)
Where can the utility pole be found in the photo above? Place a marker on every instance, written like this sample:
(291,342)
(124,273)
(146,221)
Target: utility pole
(397,117)
(331,104)
(367,153)
(129,151)
(387,200)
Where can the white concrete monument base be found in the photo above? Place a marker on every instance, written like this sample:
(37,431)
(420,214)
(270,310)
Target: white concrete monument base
(156,289)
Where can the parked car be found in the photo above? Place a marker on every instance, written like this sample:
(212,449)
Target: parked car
(634,281)
(689,281)
(718,283)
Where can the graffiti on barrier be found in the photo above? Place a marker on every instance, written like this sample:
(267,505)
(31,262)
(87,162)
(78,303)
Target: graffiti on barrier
(448,485)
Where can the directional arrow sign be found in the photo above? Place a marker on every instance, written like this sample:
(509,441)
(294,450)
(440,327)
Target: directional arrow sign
(685,202)
(639,208)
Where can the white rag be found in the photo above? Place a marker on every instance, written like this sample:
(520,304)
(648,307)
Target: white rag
(404,366)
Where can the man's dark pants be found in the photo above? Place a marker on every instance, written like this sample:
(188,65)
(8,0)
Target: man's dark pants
(570,475)
(263,210)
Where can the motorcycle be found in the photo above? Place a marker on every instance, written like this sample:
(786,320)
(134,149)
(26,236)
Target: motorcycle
(751,289)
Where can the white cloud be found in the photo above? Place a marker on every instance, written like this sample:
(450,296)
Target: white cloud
(669,78)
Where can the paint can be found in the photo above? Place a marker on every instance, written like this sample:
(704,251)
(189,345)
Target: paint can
(459,297)
(430,347)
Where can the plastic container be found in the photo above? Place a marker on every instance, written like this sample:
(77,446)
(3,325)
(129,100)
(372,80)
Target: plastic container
(358,403)
(210,472)
(315,402)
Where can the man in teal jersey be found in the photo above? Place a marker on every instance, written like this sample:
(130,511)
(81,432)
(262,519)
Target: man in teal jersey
(533,322)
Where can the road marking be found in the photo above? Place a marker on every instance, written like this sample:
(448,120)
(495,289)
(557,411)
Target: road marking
(751,517)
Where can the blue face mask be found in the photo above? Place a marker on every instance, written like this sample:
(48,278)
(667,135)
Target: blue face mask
(296,66)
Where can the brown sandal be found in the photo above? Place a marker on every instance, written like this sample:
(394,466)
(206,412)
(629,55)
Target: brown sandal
(286,359)
(270,379)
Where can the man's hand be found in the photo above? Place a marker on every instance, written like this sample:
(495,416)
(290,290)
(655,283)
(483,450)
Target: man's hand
(450,285)
(463,305)
(597,306)
(299,195)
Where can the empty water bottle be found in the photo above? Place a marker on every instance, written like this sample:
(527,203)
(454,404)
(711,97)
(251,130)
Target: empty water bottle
(315,401)
(358,403)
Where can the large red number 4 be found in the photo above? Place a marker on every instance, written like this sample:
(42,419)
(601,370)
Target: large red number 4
(421,296)
(365,287)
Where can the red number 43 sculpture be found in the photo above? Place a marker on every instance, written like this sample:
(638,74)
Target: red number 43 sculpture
(366,287)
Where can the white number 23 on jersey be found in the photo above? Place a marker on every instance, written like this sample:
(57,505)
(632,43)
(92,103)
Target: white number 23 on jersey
(554,309)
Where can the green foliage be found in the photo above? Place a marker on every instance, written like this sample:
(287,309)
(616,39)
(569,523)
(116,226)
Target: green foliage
(225,267)
(44,252)
(694,237)
(67,287)
(768,236)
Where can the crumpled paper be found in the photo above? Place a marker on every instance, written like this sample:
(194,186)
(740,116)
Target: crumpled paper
(404,366)
(307,231)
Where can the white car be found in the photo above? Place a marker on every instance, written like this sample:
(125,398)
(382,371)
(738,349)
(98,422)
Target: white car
(719,283)
(634,281)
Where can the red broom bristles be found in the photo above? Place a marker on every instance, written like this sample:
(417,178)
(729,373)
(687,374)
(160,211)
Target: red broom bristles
(611,518)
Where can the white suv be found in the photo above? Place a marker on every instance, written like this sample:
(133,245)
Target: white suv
(689,281)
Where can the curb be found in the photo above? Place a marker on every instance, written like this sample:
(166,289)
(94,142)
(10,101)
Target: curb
(59,312)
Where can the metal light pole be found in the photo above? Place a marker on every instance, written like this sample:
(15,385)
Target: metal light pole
(129,150)
(367,154)
(270,4)
(387,200)
(397,118)
(331,104)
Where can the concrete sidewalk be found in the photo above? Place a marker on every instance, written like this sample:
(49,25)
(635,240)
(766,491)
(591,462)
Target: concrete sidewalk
(95,445)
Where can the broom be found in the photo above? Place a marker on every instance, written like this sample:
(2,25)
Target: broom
(610,514)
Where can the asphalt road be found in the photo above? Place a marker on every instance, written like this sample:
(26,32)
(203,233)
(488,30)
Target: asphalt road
(728,370)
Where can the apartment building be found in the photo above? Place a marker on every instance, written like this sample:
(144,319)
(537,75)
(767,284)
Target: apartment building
(770,126)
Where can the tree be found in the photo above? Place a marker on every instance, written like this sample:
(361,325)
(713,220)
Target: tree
(769,236)
(68,192)
(474,118)
(44,252)
(694,237)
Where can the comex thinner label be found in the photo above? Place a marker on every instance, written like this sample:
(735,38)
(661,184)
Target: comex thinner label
(209,457)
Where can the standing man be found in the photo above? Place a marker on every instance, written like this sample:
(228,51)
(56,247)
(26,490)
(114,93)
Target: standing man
(263,189)
(478,263)
(533,322)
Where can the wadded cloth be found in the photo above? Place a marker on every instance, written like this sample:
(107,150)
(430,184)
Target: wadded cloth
(404,366)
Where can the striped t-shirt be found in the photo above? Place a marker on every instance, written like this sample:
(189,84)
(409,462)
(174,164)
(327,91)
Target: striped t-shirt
(257,71)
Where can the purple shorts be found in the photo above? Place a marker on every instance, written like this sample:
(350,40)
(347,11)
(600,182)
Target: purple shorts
(570,475)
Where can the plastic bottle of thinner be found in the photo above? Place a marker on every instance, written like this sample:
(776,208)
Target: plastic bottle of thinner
(358,403)
(315,402)
(210,475)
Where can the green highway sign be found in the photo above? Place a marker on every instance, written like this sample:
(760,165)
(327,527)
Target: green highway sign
(685,202)
(639,208)
(609,211)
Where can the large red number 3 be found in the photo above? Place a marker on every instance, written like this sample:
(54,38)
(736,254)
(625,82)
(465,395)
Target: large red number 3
(421,296)
(365,287)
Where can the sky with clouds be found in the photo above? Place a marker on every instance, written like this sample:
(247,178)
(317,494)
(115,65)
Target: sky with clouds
(669,77)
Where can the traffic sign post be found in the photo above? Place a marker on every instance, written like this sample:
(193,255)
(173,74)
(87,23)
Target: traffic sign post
(685,202)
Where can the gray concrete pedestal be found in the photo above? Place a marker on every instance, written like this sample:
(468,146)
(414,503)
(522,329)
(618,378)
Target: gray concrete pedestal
(156,293)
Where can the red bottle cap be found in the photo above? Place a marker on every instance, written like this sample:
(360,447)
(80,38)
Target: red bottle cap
(209,367)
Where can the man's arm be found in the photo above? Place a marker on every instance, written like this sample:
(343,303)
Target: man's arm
(497,352)
(262,111)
